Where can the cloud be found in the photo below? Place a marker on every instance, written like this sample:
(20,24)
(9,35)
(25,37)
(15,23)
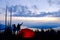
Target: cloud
(0,12)
(51,14)
(24,11)
(58,28)
(51,2)
(42,14)
(23,27)
(35,7)
(43,25)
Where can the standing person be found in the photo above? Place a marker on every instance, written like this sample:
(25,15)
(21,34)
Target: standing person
(19,26)
(14,28)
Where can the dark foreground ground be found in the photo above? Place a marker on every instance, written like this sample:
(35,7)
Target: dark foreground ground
(48,35)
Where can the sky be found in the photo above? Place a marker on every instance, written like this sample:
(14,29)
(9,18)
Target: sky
(40,5)
(32,11)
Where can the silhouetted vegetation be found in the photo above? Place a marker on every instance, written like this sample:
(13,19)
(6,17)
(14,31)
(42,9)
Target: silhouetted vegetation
(39,35)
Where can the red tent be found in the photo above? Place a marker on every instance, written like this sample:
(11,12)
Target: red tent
(27,33)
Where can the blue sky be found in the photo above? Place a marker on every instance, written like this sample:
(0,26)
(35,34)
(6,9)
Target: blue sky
(32,8)
(39,5)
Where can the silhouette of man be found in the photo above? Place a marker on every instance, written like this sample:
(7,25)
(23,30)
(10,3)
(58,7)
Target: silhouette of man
(14,28)
(18,26)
